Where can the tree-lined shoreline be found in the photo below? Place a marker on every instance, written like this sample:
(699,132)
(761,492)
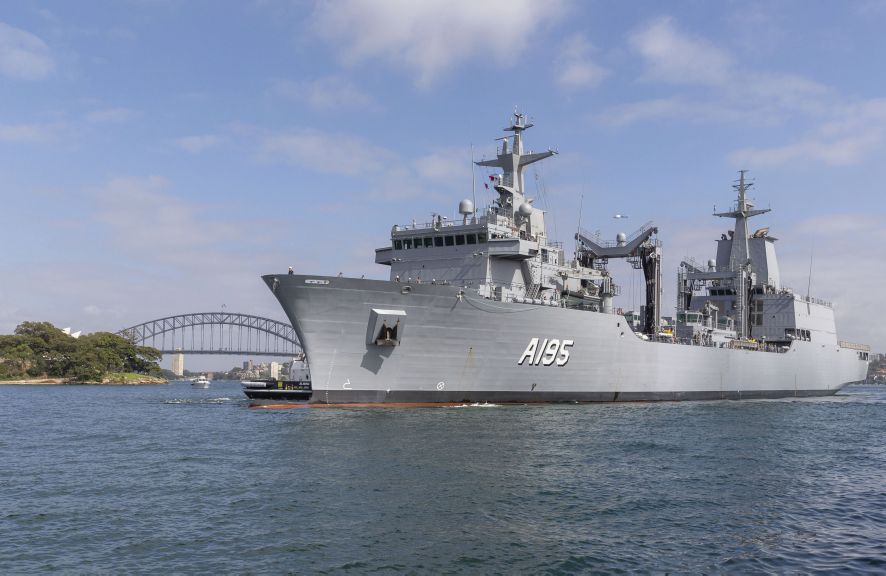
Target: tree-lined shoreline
(39,353)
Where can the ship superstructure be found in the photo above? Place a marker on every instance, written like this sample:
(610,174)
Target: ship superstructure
(504,253)
(738,297)
(488,308)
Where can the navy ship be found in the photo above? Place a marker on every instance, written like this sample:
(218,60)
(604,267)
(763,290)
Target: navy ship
(489,309)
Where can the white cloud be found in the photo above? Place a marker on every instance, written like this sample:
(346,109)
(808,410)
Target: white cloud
(46,14)
(853,133)
(328,93)
(674,57)
(148,222)
(23,56)
(447,163)
(326,152)
(111,115)
(837,239)
(197,144)
(431,36)
(574,66)
(845,132)
(727,93)
(28,133)
(869,8)
(381,173)
(780,93)
(92,310)
(643,110)
(124,34)
(144,240)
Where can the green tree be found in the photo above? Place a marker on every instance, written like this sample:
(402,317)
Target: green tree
(21,357)
(52,348)
(117,354)
(39,348)
(88,365)
(15,357)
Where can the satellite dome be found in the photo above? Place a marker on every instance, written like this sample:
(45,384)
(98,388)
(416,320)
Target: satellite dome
(465,207)
(525,209)
(712,264)
(621,238)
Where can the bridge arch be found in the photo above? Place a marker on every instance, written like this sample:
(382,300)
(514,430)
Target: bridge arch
(229,333)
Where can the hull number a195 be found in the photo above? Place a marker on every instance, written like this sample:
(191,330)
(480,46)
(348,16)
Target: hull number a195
(546,352)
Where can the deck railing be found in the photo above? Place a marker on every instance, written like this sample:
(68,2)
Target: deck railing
(854,346)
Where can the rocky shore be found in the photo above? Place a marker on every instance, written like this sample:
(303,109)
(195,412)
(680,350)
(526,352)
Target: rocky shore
(111,379)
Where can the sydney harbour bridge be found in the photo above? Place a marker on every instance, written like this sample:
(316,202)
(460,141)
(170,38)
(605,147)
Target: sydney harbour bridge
(223,332)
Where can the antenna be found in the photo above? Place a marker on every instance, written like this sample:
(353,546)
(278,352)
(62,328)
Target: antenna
(581,200)
(473,182)
(809,285)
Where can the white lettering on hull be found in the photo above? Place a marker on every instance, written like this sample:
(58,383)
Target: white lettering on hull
(549,351)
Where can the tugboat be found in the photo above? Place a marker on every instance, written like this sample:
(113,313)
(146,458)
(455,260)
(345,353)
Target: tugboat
(489,309)
(296,388)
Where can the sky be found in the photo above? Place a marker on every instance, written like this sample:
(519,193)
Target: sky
(158,156)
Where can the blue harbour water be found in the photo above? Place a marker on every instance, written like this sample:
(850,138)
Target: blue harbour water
(171,479)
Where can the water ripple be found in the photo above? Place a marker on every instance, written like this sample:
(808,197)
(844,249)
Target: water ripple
(143,480)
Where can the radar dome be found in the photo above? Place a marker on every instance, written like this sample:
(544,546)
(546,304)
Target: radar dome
(712,264)
(525,209)
(621,238)
(465,207)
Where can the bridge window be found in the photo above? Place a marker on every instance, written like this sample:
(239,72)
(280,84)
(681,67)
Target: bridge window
(407,243)
(416,243)
(757,313)
(450,241)
(429,241)
(472,238)
(438,241)
(460,240)
(481,237)
(798,334)
(398,244)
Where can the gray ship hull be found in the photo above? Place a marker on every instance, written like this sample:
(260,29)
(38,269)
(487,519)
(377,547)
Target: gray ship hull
(454,346)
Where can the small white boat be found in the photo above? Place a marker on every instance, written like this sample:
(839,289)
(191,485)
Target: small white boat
(200,382)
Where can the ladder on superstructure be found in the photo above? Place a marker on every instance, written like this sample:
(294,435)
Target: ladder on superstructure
(533,290)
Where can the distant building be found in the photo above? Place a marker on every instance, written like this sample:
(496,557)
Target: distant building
(275,370)
(178,364)
(247,365)
(633,319)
